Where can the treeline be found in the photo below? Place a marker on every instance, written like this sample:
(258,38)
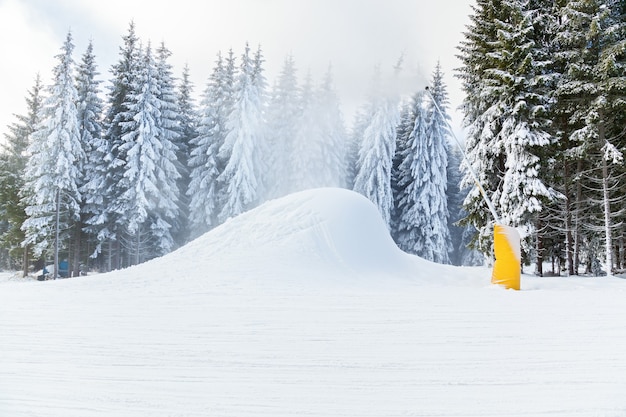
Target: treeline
(108,179)
(545,110)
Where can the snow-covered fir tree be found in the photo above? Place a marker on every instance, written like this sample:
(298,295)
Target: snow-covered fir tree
(90,108)
(333,166)
(148,206)
(355,139)
(502,73)
(283,114)
(124,75)
(13,160)
(170,135)
(422,216)
(482,142)
(188,120)
(54,170)
(521,111)
(207,195)
(306,147)
(590,94)
(376,153)
(244,147)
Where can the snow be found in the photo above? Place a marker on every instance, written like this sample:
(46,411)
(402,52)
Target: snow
(304,306)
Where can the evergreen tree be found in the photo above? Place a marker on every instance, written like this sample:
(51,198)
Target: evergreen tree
(483,146)
(170,134)
(13,159)
(148,205)
(90,108)
(503,73)
(437,150)
(590,93)
(283,112)
(405,127)
(188,119)
(332,161)
(373,171)
(54,170)
(422,215)
(244,147)
(207,194)
(106,223)
(307,146)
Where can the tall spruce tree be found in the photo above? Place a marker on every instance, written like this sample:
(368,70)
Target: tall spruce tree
(90,108)
(332,161)
(306,149)
(106,223)
(483,146)
(148,206)
(54,171)
(207,194)
(503,75)
(13,159)
(283,112)
(590,95)
(244,147)
(170,136)
(377,150)
(188,119)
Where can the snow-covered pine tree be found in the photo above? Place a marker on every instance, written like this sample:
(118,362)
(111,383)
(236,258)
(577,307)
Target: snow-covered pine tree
(188,120)
(378,146)
(148,206)
(503,74)
(54,170)
(522,106)
(207,195)
(482,143)
(306,148)
(244,147)
(411,134)
(405,127)
(283,112)
(170,135)
(591,93)
(125,73)
(90,108)
(437,150)
(355,138)
(13,159)
(319,145)
(332,164)
(422,227)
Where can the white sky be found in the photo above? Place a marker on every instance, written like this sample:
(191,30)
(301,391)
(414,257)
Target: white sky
(352,35)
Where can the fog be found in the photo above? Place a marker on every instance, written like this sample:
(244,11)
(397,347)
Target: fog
(354,36)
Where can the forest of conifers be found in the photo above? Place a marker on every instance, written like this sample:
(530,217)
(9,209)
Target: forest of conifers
(112,175)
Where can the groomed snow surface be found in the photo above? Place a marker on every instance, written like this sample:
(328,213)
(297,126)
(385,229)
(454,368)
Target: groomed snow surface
(305,307)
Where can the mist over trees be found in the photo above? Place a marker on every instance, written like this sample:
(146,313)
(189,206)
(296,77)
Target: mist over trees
(110,174)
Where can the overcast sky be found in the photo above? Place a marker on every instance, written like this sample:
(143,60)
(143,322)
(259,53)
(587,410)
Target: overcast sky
(351,35)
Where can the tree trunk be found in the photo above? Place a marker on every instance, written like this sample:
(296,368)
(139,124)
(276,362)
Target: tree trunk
(539,249)
(608,243)
(569,243)
(25,260)
(77,249)
(56,234)
(575,230)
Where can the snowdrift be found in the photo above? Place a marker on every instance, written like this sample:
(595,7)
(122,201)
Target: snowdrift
(310,235)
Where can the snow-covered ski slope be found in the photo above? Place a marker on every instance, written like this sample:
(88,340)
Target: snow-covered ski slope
(305,307)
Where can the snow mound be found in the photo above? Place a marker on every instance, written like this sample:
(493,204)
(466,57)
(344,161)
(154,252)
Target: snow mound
(326,233)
